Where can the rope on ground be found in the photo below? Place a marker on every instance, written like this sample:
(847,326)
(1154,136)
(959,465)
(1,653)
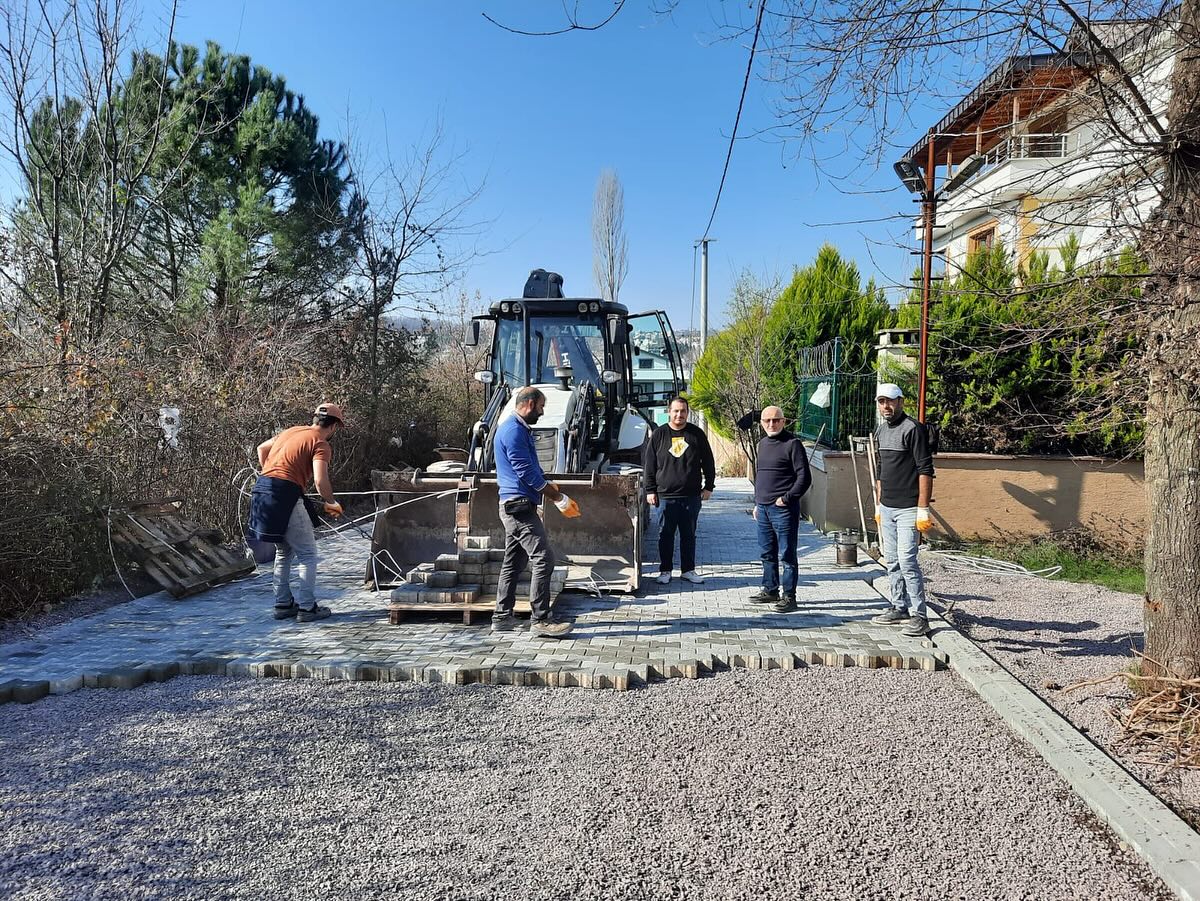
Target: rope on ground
(992,566)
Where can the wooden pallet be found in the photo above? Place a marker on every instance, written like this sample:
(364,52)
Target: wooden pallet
(182,556)
(398,611)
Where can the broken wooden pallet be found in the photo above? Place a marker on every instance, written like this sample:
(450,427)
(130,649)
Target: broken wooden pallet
(182,556)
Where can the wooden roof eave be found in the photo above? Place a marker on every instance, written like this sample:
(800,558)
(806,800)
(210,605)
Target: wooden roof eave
(1039,78)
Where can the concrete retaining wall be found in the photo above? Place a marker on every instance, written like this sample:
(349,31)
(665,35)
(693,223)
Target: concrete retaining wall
(989,496)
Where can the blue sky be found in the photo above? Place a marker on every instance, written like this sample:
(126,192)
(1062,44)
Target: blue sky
(539,117)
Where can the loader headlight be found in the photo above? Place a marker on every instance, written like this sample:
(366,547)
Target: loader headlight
(485,376)
(594,307)
(610,376)
(506,308)
(582,308)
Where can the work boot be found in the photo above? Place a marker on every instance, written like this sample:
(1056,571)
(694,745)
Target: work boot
(312,615)
(288,611)
(786,604)
(891,616)
(916,627)
(505,622)
(762,596)
(548,628)
(694,577)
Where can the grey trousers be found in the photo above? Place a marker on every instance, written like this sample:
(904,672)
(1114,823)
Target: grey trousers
(299,544)
(525,541)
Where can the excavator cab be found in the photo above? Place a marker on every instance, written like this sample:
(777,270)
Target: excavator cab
(607,377)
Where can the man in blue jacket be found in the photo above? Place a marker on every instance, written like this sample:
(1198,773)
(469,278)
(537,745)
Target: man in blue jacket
(781,477)
(522,485)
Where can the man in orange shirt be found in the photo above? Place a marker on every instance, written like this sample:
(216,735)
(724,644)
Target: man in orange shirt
(278,514)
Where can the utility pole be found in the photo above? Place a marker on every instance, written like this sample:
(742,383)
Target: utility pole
(928,211)
(703,242)
(704,292)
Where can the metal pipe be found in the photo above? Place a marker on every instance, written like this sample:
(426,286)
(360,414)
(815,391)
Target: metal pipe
(453,480)
(862,515)
(929,208)
(703,294)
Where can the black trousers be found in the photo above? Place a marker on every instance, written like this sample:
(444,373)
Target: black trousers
(525,542)
(679,514)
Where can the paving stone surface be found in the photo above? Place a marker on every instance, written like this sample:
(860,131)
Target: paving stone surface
(677,630)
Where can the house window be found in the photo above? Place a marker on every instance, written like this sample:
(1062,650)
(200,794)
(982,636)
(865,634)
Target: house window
(646,363)
(983,239)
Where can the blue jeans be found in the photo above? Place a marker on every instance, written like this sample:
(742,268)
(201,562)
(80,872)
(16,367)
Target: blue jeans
(299,543)
(678,514)
(777,528)
(898,533)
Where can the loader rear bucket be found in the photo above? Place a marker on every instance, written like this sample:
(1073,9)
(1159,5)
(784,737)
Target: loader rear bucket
(604,545)
(416,526)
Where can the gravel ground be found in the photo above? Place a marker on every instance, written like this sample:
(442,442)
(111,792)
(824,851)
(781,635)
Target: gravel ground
(818,783)
(1050,634)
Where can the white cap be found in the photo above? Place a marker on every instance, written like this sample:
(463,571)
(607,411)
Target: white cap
(888,390)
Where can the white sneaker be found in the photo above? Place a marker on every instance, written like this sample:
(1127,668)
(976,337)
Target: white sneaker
(663,578)
(694,577)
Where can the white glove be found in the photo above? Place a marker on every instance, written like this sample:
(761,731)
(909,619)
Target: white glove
(567,507)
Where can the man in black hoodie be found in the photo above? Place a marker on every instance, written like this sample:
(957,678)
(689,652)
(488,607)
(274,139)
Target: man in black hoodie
(680,472)
(781,477)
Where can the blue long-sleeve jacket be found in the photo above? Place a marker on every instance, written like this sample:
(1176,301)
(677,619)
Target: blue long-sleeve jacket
(518,472)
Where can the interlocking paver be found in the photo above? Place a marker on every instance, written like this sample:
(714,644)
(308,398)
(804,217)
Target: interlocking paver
(676,630)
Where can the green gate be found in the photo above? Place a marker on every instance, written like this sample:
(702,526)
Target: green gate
(832,404)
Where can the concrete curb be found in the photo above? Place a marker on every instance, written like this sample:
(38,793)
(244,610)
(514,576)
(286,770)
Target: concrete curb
(1165,841)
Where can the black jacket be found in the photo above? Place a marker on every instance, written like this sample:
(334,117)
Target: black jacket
(781,470)
(903,457)
(678,464)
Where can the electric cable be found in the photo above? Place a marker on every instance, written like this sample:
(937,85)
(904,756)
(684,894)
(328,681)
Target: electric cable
(762,5)
(113,554)
(992,566)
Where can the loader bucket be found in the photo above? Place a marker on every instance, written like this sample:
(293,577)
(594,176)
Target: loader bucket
(604,545)
(415,525)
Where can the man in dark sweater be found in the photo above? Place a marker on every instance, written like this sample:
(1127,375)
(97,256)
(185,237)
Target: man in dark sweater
(680,473)
(904,489)
(781,477)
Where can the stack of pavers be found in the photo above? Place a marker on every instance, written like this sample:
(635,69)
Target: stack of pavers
(464,582)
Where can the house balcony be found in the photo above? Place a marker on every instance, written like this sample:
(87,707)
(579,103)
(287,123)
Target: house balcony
(1016,166)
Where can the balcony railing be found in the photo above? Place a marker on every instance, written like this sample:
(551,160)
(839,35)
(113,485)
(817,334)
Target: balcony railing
(1024,147)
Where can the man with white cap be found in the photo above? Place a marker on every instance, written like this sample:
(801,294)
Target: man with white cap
(279,515)
(903,488)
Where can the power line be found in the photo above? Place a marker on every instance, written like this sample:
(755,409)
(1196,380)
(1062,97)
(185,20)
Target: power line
(762,5)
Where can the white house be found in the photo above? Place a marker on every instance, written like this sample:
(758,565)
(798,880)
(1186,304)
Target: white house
(652,372)
(1058,149)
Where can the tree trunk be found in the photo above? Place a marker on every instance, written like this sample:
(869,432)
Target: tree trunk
(1172,245)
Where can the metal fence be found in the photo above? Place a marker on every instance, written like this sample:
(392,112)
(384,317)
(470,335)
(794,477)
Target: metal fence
(831,403)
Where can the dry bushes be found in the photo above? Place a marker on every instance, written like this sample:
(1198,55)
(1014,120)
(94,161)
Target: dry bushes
(84,433)
(51,542)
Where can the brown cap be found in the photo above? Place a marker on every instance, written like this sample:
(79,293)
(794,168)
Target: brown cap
(333,410)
